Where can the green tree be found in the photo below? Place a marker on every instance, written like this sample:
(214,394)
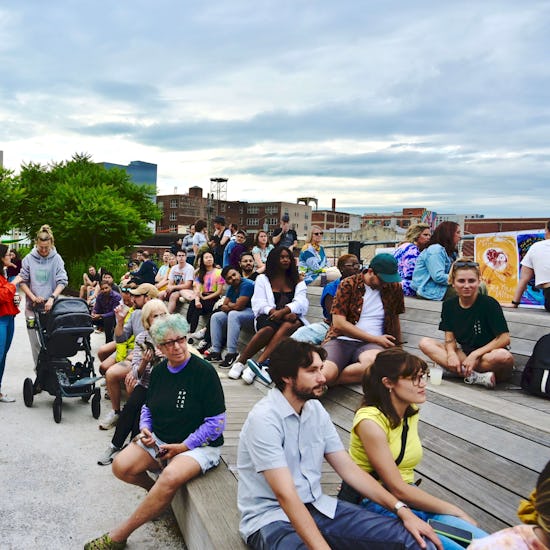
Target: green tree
(11,196)
(88,206)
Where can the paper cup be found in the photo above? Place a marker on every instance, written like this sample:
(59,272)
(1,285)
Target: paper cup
(436,375)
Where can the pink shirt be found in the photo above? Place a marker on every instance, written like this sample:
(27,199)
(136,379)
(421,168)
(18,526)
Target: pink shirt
(520,537)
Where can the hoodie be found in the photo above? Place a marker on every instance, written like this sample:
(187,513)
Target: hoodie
(42,275)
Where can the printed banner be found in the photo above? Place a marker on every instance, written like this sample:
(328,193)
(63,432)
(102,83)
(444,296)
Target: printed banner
(499,256)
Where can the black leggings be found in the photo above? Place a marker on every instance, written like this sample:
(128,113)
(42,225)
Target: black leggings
(194,313)
(128,419)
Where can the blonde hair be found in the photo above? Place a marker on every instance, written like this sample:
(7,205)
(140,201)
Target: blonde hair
(415,231)
(454,268)
(313,228)
(44,229)
(152,306)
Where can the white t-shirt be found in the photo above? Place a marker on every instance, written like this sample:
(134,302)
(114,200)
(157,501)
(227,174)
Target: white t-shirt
(371,320)
(538,259)
(178,275)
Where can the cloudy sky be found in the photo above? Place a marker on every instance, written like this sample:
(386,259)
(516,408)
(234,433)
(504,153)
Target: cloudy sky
(378,104)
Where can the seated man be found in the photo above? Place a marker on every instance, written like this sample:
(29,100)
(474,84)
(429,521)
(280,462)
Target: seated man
(248,268)
(180,282)
(161,278)
(281,449)
(237,249)
(147,270)
(476,332)
(315,333)
(103,313)
(90,279)
(235,313)
(365,320)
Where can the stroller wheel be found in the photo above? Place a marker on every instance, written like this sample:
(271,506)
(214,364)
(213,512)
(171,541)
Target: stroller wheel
(57,406)
(28,392)
(85,398)
(96,403)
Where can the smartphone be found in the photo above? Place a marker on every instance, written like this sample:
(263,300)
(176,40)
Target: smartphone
(461,536)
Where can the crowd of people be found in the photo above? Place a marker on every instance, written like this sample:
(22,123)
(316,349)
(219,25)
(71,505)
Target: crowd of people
(173,420)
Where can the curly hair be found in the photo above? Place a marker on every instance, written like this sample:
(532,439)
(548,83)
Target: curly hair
(273,266)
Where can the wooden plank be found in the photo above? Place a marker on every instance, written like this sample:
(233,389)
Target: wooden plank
(485,400)
(517,449)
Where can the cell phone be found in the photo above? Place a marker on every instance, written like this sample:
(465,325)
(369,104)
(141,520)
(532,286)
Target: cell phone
(461,536)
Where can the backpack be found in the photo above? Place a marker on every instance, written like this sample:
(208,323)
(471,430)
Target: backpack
(535,378)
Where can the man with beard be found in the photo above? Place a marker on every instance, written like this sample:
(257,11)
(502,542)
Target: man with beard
(247,266)
(282,445)
(365,320)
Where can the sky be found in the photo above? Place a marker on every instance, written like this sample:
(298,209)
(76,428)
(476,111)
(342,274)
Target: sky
(380,105)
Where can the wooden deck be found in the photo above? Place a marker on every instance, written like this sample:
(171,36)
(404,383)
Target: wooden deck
(483,449)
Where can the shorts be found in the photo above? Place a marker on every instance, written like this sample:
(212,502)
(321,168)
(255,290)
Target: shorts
(314,333)
(263,321)
(346,352)
(207,457)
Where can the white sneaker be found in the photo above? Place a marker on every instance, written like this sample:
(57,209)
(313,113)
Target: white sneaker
(109,420)
(486,379)
(248,376)
(198,335)
(236,371)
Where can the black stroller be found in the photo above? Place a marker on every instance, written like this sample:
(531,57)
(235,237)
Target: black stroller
(63,333)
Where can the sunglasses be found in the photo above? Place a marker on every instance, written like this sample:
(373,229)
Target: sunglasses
(465,264)
(319,233)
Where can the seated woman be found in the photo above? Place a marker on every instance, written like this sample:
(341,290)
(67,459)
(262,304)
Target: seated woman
(181,426)
(279,304)
(137,380)
(208,288)
(260,251)
(406,254)
(476,332)
(384,439)
(313,261)
(431,272)
(534,533)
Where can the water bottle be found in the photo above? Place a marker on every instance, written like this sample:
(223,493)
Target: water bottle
(30,321)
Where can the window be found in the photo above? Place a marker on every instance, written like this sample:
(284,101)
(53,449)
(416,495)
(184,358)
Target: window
(173,216)
(173,227)
(252,221)
(272,221)
(222,207)
(241,210)
(271,209)
(160,204)
(252,209)
(173,203)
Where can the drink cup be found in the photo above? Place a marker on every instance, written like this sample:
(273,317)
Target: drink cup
(16,299)
(436,375)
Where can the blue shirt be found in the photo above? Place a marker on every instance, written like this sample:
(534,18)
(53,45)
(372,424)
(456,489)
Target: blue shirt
(329,290)
(246,288)
(431,273)
(275,436)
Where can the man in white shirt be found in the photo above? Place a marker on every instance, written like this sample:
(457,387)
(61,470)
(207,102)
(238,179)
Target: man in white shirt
(180,282)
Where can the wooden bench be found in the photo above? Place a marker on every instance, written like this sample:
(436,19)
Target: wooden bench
(483,449)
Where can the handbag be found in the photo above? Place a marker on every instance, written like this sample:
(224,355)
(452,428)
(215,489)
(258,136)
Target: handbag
(349,494)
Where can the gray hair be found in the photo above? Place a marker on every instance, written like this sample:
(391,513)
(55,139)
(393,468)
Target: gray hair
(170,323)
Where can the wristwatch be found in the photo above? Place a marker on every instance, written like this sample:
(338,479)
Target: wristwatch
(53,296)
(398,506)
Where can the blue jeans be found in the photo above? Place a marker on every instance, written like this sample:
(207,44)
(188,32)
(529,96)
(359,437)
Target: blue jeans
(353,527)
(228,325)
(448,544)
(6,336)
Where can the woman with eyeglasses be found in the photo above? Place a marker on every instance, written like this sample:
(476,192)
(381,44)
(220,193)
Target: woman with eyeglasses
(313,261)
(476,332)
(43,279)
(406,254)
(431,272)
(181,429)
(384,440)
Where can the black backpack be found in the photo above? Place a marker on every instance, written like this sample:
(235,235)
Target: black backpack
(535,378)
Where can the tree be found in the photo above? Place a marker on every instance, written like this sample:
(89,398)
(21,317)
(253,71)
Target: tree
(88,206)
(11,196)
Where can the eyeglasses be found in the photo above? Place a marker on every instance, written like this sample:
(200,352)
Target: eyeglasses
(170,344)
(465,264)
(417,379)
(319,233)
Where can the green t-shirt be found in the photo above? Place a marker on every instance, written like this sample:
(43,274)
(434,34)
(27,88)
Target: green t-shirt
(475,326)
(180,402)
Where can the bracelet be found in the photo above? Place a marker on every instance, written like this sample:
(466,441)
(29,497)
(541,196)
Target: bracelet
(515,303)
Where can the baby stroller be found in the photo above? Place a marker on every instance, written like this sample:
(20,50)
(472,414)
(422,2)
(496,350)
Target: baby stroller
(62,333)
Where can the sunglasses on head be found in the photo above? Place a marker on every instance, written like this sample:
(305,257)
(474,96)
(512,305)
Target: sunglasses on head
(465,264)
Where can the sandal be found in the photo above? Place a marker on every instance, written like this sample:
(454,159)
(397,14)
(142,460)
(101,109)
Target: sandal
(6,399)
(105,542)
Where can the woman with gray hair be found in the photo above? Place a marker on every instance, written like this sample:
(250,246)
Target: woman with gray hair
(181,424)
(416,239)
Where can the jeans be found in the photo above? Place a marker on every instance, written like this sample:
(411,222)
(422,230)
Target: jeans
(353,527)
(6,336)
(448,544)
(229,325)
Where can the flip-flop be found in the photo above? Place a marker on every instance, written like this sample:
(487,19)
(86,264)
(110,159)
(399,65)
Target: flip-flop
(6,399)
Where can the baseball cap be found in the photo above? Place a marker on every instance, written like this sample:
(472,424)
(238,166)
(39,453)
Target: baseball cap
(219,219)
(145,288)
(385,266)
(286,218)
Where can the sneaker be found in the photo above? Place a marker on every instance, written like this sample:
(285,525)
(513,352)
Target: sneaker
(104,542)
(247,374)
(486,379)
(203,346)
(109,420)
(5,398)
(236,371)
(213,356)
(260,370)
(198,335)
(228,360)
(108,455)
